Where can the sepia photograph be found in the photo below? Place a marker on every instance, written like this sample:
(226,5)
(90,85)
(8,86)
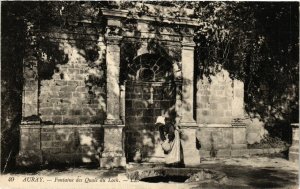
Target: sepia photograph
(149,94)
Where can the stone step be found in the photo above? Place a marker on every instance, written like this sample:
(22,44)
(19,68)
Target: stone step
(294,149)
(294,157)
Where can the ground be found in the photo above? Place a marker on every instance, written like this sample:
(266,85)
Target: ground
(254,172)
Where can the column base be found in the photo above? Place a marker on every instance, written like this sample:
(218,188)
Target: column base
(29,158)
(113,153)
(113,122)
(191,156)
(30,122)
(112,162)
(188,123)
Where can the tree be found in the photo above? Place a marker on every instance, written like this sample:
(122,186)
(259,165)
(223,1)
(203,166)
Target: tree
(256,42)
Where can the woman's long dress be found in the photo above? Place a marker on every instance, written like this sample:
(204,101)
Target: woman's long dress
(174,156)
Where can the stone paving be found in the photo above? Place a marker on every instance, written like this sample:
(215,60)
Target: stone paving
(254,172)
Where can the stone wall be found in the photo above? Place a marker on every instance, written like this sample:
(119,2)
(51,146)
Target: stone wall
(142,135)
(67,100)
(221,141)
(64,102)
(220,103)
(66,96)
(215,99)
(65,144)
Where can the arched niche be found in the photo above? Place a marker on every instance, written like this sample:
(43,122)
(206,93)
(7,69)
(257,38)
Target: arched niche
(150,91)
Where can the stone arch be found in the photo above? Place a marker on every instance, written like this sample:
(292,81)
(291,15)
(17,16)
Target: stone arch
(151,68)
(150,92)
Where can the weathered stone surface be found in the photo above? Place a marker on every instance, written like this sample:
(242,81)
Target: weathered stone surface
(69,96)
(255,131)
(60,144)
(187,107)
(30,137)
(29,158)
(239,135)
(239,152)
(216,100)
(215,137)
(256,151)
(113,152)
(66,96)
(204,153)
(30,88)
(112,80)
(238,99)
(142,135)
(190,152)
(294,149)
(238,146)
(112,162)
(223,153)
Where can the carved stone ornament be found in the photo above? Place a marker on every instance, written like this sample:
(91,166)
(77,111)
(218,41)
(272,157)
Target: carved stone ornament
(113,31)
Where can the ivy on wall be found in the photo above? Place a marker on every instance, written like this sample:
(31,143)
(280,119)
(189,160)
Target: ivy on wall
(257,42)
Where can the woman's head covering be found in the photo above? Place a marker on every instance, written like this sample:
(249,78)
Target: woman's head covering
(161,120)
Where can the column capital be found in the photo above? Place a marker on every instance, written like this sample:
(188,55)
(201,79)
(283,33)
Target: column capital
(113,122)
(188,45)
(113,39)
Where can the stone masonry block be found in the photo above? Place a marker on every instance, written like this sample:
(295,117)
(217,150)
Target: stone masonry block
(239,135)
(239,153)
(46,144)
(256,151)
(204,153)
(29,158)
(111,162)
(223,153)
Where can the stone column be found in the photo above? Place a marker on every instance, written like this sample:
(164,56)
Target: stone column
(113,152)
(30,153)
(188,124)
(30,112)
(294,149)
(178,84)
(238,125)
(187,108)
(238,99)
(122,102)
(112,80)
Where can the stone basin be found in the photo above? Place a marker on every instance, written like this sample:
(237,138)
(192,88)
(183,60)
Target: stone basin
(180,175)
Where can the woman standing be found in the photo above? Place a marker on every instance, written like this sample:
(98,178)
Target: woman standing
(169,134)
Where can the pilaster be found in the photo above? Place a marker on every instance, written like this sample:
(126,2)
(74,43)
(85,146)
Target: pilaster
(187,107)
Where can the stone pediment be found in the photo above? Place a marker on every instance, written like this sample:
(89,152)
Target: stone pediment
(131,22)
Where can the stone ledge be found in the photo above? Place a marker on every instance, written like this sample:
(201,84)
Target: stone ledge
(294,157)
(112,162)
(61,126)
(240,152)
(239,146)
(214,125)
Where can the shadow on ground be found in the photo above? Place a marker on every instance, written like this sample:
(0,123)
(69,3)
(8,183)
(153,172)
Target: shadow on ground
(251,177)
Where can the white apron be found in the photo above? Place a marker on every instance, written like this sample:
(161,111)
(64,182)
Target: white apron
(174,155)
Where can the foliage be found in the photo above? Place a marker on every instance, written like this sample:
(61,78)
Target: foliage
(256,42)
(269,142)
